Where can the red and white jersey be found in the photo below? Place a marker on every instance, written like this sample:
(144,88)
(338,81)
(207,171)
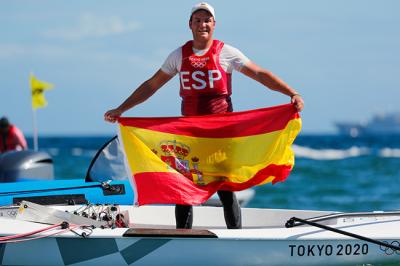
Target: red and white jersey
(205,76)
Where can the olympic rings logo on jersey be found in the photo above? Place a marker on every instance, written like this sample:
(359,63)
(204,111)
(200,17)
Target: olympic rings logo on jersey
(198,62)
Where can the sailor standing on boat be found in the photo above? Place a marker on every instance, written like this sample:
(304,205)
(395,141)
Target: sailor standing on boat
(205,67)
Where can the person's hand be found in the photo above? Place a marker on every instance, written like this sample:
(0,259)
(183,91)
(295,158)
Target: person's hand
(112,115)
(298,102)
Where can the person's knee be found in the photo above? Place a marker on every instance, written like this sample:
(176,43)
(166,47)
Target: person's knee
(228,198)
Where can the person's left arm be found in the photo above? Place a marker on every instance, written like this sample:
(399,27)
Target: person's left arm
(271,81)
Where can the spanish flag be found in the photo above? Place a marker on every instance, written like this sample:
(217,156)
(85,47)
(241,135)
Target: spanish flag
(37,88)
(184,160)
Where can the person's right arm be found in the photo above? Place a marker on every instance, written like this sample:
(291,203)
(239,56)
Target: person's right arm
(141,94)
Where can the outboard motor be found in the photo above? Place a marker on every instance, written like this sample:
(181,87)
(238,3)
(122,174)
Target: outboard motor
(25,165)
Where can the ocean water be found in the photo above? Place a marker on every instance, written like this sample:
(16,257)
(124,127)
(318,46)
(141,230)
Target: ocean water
(331,172)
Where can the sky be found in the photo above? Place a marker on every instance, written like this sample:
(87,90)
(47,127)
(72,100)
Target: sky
(342,56)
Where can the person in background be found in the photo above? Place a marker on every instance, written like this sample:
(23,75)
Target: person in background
(205,67)
(11,138)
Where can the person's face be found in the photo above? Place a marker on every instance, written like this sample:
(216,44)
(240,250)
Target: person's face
(202,25)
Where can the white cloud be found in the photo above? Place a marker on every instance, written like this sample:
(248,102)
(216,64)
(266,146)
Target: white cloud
(15,50)
(64,53)
(90,25)
(11,50)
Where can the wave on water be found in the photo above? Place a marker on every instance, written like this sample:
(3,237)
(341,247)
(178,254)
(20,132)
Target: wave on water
(389,153)
(329,154)
(340,154)
(53,151)
(300,152)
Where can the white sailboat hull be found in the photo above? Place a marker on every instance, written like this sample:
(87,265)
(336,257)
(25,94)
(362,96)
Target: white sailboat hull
(264,240)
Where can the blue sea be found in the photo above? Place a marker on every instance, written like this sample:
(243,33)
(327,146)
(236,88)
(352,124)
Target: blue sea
(331,172)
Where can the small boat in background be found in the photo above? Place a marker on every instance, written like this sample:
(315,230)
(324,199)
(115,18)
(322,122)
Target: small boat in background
(381,124)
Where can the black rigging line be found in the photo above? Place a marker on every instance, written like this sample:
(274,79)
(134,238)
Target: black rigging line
(291,223)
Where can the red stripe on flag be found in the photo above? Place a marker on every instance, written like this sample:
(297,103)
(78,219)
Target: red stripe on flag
(228,125)
(281,172)
(174,188)
(170,188)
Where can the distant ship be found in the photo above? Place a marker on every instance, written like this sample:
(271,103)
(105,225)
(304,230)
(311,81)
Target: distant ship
(382,124)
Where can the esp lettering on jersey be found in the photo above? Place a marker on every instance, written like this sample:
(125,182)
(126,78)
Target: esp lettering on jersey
(203,75)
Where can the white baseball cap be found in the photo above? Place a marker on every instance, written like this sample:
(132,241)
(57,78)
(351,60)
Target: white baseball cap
(203,6)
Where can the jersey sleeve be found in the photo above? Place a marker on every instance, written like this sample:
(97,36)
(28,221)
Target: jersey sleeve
(234,57)
(173,62)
